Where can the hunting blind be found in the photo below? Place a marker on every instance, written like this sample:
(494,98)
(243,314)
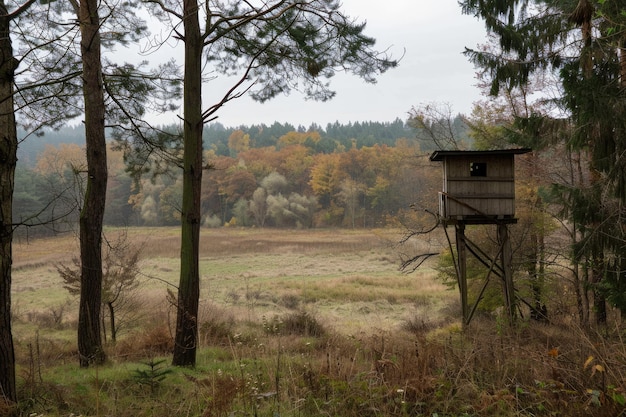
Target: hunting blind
(479,188)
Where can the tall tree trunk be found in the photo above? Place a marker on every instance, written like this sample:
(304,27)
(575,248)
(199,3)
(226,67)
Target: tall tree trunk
(542,267)
(580,273)
(8,160)
(536,268)
(533,276)
(622,62)
(599,299)
(91,217)
(189,285)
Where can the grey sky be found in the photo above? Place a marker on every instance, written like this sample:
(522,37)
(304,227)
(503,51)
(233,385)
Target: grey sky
(431,34)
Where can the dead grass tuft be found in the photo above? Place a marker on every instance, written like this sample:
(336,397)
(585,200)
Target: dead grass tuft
(43,349)
(222,391)
(145,344)
(299,323)
(217,326)
(7,408)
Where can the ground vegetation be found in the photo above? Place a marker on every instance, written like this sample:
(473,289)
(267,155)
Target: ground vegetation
(312,322)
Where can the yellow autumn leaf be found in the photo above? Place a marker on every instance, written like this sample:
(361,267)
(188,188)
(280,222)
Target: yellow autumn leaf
(599,368)
(588,362)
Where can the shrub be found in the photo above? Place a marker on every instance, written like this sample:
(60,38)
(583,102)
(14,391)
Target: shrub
(216,331)
(300,323)
(212,221)
(6,408)
(217,325)
(153,342)
(290,301)
(417,325)
(224,389)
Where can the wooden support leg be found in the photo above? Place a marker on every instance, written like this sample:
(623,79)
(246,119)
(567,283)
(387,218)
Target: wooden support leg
(462,270)
(507,282)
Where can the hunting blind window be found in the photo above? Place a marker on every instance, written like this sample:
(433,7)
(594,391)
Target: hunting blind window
(478,169)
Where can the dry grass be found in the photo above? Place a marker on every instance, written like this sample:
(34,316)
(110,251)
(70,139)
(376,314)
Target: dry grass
(349,278)
(304,323)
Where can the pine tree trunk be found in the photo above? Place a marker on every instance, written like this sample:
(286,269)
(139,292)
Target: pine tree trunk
(8,160)
(597,276)
(533,278)
(536,271)
(622,63)
(91,217)
(189,285)
(542,270)
(580,275)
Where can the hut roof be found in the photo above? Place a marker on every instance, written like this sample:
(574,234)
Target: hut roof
(440,155)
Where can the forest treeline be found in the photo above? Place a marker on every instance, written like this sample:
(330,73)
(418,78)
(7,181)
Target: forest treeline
(335,136)
(362,174)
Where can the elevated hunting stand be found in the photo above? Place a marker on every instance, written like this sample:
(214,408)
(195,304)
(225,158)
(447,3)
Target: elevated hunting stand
(479,188)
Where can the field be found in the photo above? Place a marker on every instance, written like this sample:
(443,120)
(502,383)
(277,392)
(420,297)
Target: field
(350,279)
(299,323)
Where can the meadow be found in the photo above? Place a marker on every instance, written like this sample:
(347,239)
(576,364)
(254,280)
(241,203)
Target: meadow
(300,323)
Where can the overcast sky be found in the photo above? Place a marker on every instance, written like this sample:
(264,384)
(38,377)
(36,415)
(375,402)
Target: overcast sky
(431,34)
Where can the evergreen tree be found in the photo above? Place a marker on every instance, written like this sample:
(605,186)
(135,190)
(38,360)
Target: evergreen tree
(582,43)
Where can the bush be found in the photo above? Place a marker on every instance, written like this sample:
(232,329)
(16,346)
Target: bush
(212,221)
(290,301)
(153,342)
(300,323)
(216,331)
(417,325)
(217,325)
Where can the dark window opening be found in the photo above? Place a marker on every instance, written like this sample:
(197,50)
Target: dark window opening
(478,169)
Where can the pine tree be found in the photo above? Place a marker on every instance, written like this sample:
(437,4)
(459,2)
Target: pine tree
(582,43)
(272,47)
(8,161)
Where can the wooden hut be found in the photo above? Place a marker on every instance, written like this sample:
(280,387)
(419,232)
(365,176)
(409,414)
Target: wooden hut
(478,186)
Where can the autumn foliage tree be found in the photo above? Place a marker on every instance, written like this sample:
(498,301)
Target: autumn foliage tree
(238,141)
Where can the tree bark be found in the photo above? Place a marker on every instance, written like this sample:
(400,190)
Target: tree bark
(8,161)
(622,62)
(597,276)
(536,273)
(189,285)
(91,217)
